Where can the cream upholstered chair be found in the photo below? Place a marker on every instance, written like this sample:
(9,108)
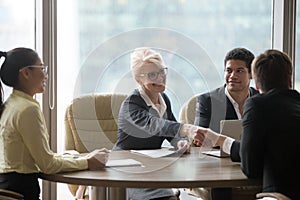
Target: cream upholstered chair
(274,195)
(188,111)
(187,116)
(91,123)
(10,195)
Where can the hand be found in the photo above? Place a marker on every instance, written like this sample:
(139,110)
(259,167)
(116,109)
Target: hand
(206,137)
(183,146)
(97,159)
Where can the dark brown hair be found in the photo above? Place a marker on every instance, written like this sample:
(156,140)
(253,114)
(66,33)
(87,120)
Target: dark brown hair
(272,69)
(15,60)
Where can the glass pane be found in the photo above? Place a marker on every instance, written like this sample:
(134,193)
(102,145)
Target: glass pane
(95,40)
(17,27)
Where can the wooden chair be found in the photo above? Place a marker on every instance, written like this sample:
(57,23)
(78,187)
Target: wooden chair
(91,123)
(10,195)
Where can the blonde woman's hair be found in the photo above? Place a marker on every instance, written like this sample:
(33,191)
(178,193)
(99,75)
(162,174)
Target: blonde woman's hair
(144,55)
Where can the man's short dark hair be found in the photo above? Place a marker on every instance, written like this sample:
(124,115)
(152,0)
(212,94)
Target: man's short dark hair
(272,69)
(240,54)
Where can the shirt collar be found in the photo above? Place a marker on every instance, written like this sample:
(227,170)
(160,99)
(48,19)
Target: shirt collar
(148,101)
(24,95)
(234,103)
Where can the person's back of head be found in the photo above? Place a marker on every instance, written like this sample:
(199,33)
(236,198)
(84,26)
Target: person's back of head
(240,54)
(272,69)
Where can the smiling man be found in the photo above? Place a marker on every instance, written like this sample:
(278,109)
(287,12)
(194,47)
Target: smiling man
(226,102)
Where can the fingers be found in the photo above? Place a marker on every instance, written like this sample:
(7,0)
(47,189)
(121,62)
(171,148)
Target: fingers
(203,143)
(102,150)
(96,151)
(199,137)
(184,146)
(97,159)
(181,143)
(205,137)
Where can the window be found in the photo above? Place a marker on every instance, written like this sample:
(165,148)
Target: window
(95,40)
(16,31)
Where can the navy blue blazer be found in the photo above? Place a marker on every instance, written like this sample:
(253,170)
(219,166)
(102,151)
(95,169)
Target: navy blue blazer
(140,127)
(269,147)
(214,106)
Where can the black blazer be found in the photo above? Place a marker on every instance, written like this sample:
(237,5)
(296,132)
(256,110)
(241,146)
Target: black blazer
(140,127)
(214,106)
(269,147)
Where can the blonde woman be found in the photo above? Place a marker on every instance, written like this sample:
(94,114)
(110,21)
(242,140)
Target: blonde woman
(146,118)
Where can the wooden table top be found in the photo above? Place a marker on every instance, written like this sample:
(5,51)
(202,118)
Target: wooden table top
(188,170)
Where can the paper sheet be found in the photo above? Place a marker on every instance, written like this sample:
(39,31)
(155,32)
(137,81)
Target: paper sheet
(155,153)
(123,163)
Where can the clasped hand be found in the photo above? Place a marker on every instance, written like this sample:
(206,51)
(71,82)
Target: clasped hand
(205,137)
(183,146)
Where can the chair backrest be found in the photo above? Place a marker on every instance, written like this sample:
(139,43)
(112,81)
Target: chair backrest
(188,111)
(272,195)
(10,195)
(91,122)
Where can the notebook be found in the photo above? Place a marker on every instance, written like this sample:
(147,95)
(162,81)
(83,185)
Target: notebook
(231,128)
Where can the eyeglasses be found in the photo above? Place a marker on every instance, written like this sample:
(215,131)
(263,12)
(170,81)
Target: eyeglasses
(153,75)
(44,68)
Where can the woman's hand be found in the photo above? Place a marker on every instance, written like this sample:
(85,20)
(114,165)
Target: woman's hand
(97,159)
(206,137)
(183,146)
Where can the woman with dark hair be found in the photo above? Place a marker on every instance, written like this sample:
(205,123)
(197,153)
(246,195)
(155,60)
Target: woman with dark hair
(24,140)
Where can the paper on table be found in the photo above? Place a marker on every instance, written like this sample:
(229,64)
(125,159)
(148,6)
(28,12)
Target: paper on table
(123,163)
(155,153)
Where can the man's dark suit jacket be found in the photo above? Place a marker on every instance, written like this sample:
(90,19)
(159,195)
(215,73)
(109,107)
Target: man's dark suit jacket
(214,106)
(211,108)
(269,147)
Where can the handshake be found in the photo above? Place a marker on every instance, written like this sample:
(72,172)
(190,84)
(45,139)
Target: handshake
(203,137)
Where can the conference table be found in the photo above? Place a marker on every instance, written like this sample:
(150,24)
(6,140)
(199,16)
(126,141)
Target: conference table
(177,171)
